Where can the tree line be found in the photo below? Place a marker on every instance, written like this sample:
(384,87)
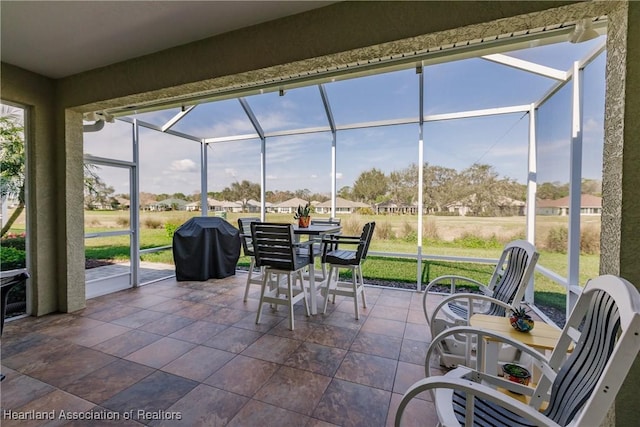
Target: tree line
(479,187)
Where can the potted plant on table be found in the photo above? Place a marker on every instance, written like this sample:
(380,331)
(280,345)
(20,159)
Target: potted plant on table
(516,373)
(520,320)
(302,214)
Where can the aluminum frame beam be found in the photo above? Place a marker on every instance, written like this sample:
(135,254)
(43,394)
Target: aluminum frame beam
(531,67)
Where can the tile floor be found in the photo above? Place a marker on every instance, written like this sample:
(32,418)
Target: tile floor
(192,350)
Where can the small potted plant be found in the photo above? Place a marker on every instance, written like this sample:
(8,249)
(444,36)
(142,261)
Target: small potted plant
(516,373)
(302,215)
(520,320)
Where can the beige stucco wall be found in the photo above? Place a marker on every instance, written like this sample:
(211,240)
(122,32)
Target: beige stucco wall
(338,34)
(620,240)
(37,94)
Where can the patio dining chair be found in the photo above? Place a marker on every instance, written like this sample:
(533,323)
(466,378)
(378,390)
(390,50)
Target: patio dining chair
(277,251)
(504,291)
(603,332)
(244,225)
(338,258)
(319,241)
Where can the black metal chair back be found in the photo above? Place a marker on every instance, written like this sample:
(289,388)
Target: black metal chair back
(244,225)
(275,246)
(340,256)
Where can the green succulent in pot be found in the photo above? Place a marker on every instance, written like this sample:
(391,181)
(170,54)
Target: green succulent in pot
(302,214)
(520,320)
(302,211)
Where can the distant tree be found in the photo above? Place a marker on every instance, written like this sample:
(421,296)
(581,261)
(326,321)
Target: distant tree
(345,192)
(370,185)
(147,199)
(441,187)
(278,196)
(591,186)
(180,196)
(320,197)
(163,196)
(96,191)
(302,194)
(403,185)
(484,190)
(12,161)
(552,190)
(242,192)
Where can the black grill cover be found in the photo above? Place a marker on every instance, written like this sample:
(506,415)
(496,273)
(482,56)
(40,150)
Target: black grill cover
(206,248)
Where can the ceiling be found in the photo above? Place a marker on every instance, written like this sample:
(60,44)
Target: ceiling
(62,38)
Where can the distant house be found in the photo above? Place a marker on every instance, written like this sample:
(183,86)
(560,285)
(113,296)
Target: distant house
(169,205)
(253,206)
(504,206)
(230,206)
(589,205)
(343,206)
(289,206)
(391,207)
(192,207)
(123,203)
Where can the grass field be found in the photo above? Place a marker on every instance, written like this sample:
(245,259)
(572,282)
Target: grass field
(442,235)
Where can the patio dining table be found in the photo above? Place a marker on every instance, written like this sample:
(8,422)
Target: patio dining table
(314,230)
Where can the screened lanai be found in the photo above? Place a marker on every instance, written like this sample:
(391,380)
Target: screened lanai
(530,108)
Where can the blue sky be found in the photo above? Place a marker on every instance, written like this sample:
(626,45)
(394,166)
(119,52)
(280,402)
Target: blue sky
(170,164)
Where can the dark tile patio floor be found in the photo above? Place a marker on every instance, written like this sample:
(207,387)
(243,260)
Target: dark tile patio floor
(192,350)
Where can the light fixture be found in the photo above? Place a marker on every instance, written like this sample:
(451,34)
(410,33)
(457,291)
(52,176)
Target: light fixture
(583,31)
(281,92)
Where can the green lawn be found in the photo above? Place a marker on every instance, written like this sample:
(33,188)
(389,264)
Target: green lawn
(447,236)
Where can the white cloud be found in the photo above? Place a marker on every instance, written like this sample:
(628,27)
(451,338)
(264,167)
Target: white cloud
(184,165)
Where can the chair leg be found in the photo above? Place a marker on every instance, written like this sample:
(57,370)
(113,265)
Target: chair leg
(364,297)
(328,288)
(337,271)
(251,267)
(262,290)
(290,302)
(304,293)
(354,281)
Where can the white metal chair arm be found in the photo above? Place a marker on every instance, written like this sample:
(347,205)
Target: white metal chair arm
(452,288)
(455,380)
(469,298)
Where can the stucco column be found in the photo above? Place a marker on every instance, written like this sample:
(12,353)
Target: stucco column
(620,241)
(71,288)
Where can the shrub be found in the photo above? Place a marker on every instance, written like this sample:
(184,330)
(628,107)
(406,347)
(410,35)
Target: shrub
(590,240)
(506,238)
(446,213)
(122,221)
(557,239)
(384,231)
(170,228)
(408,233)
(429,229)
(474,241)
(94,222)
(352,226)
(152,223)
(365,211)
(12,258)
(18,242)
